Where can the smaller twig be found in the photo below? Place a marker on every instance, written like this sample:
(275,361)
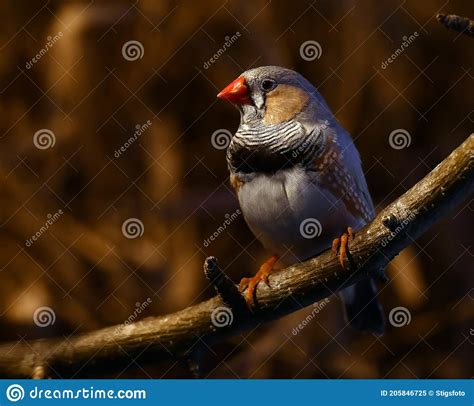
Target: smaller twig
(225,288)
(39,372)
(457,23)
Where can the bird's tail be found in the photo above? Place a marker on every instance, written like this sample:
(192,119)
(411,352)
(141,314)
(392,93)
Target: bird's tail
(363,310)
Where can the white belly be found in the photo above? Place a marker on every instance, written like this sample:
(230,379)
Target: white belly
(292,216)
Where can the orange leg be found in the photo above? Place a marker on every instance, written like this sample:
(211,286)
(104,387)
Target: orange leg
(340,245)
(262,275)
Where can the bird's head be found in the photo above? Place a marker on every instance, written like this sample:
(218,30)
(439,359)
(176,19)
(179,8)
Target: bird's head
(272,95)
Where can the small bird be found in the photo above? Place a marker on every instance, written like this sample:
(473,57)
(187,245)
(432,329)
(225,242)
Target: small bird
(298,175)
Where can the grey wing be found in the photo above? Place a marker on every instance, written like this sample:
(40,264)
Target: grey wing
(338,169)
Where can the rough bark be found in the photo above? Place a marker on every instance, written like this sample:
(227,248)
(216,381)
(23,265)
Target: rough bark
(457,23)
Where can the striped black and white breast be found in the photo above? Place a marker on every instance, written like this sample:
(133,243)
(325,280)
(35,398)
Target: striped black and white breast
(269,148)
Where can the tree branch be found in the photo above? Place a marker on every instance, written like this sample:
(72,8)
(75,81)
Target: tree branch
(175,335)
(457,23)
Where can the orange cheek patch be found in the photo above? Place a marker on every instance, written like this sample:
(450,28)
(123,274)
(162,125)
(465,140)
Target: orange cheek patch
(283,104)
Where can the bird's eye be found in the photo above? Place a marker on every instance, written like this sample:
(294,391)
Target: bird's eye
(268,84)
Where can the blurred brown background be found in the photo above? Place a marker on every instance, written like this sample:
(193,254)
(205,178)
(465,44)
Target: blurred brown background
(91,93)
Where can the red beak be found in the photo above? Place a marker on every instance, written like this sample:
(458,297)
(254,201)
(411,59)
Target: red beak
(236,92)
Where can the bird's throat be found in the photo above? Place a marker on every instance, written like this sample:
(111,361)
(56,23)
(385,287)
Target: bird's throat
(268,149)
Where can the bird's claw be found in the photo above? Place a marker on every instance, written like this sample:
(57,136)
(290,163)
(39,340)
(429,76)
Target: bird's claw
(262,275)
(340,245)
